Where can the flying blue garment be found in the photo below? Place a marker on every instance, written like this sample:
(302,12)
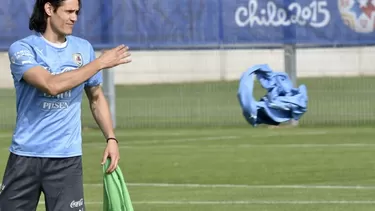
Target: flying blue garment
(281,102)
(48,126)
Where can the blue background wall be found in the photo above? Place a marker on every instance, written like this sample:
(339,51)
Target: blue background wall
(155,24)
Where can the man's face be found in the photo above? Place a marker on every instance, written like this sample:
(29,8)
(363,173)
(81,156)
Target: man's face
(64,18)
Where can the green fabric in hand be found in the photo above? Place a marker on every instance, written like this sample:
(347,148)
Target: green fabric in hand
(116,196)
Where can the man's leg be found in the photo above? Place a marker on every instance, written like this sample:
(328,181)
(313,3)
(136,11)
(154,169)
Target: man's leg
(20,189)
(62,184)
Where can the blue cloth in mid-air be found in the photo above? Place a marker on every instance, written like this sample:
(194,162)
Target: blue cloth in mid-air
(282,102)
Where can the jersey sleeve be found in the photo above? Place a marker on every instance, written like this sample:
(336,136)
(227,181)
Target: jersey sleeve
(21,58)
(96,79)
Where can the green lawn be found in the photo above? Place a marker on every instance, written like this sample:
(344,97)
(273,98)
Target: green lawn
(332,101)
(170,164)
(217,169)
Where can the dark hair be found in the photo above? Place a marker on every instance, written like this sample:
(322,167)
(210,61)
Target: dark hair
(38,19)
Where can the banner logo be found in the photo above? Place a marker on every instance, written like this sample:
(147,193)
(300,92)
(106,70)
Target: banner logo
(359,15)
(315,14)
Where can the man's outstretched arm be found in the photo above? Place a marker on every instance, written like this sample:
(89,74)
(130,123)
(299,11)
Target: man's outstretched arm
(102,115)
(24,66)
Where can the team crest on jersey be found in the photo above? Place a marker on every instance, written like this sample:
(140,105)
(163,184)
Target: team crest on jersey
(77,58)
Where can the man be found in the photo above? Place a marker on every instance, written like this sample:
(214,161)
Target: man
(50,71)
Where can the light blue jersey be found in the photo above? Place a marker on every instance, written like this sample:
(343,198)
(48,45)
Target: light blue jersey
(49,126)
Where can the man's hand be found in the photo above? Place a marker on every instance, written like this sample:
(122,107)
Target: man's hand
(112,152)
(114,57)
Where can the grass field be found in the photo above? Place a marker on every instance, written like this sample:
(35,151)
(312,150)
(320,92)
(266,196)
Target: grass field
(187,147)
(217,169)
(332,101)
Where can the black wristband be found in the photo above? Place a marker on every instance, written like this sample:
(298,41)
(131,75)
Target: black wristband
(112,139)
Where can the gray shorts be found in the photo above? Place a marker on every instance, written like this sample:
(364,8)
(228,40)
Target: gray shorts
(25,178)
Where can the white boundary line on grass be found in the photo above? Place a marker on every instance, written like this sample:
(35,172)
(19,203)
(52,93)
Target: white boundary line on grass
(291,145)
(162,141)
(236,202)
(251,202)
(210,138)
(267,133)
(145,146)
(251,145)
(271,133)
(168,185)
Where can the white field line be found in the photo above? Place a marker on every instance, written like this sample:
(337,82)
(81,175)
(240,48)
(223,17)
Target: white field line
(351,145)
(119,134)
(210,138)
(267,133)
(291,133)
(266,202)
(135,144)
(251,202)
(269,202)
(214,138)
(145,146)
(148,134)
(308,145)
(132,144)
(168,185)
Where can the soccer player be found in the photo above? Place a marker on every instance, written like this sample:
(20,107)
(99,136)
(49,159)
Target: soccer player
(51,69)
